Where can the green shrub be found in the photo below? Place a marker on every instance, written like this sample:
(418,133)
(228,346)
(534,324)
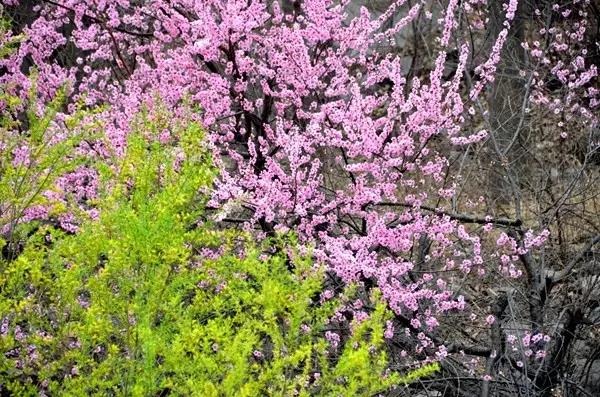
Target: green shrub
(150,299)
(35,152)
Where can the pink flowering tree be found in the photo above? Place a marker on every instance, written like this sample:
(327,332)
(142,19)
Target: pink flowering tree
(320,127)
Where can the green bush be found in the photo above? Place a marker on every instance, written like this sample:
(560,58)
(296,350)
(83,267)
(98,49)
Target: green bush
(151,299)
(30,163)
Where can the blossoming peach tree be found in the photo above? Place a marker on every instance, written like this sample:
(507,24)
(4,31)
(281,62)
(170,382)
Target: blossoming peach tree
(317,126)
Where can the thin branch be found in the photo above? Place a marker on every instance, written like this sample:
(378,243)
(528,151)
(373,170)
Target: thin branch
(100,21)
(460,217)
(561,275)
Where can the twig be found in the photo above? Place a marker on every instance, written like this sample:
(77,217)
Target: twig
(460,217)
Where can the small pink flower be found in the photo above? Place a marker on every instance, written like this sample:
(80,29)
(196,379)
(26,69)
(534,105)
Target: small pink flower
(21,156)
(389,330)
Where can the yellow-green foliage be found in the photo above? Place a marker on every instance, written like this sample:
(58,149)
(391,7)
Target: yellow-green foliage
(425,371)
(134,304)
(8,42)
(50,153)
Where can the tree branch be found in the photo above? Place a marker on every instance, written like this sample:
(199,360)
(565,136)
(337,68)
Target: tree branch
(561,275)
(460,217)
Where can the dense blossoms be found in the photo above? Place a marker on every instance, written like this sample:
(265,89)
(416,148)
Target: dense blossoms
(313,127)
(305,138)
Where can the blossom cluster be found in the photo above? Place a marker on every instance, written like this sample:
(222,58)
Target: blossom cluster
(303,131)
